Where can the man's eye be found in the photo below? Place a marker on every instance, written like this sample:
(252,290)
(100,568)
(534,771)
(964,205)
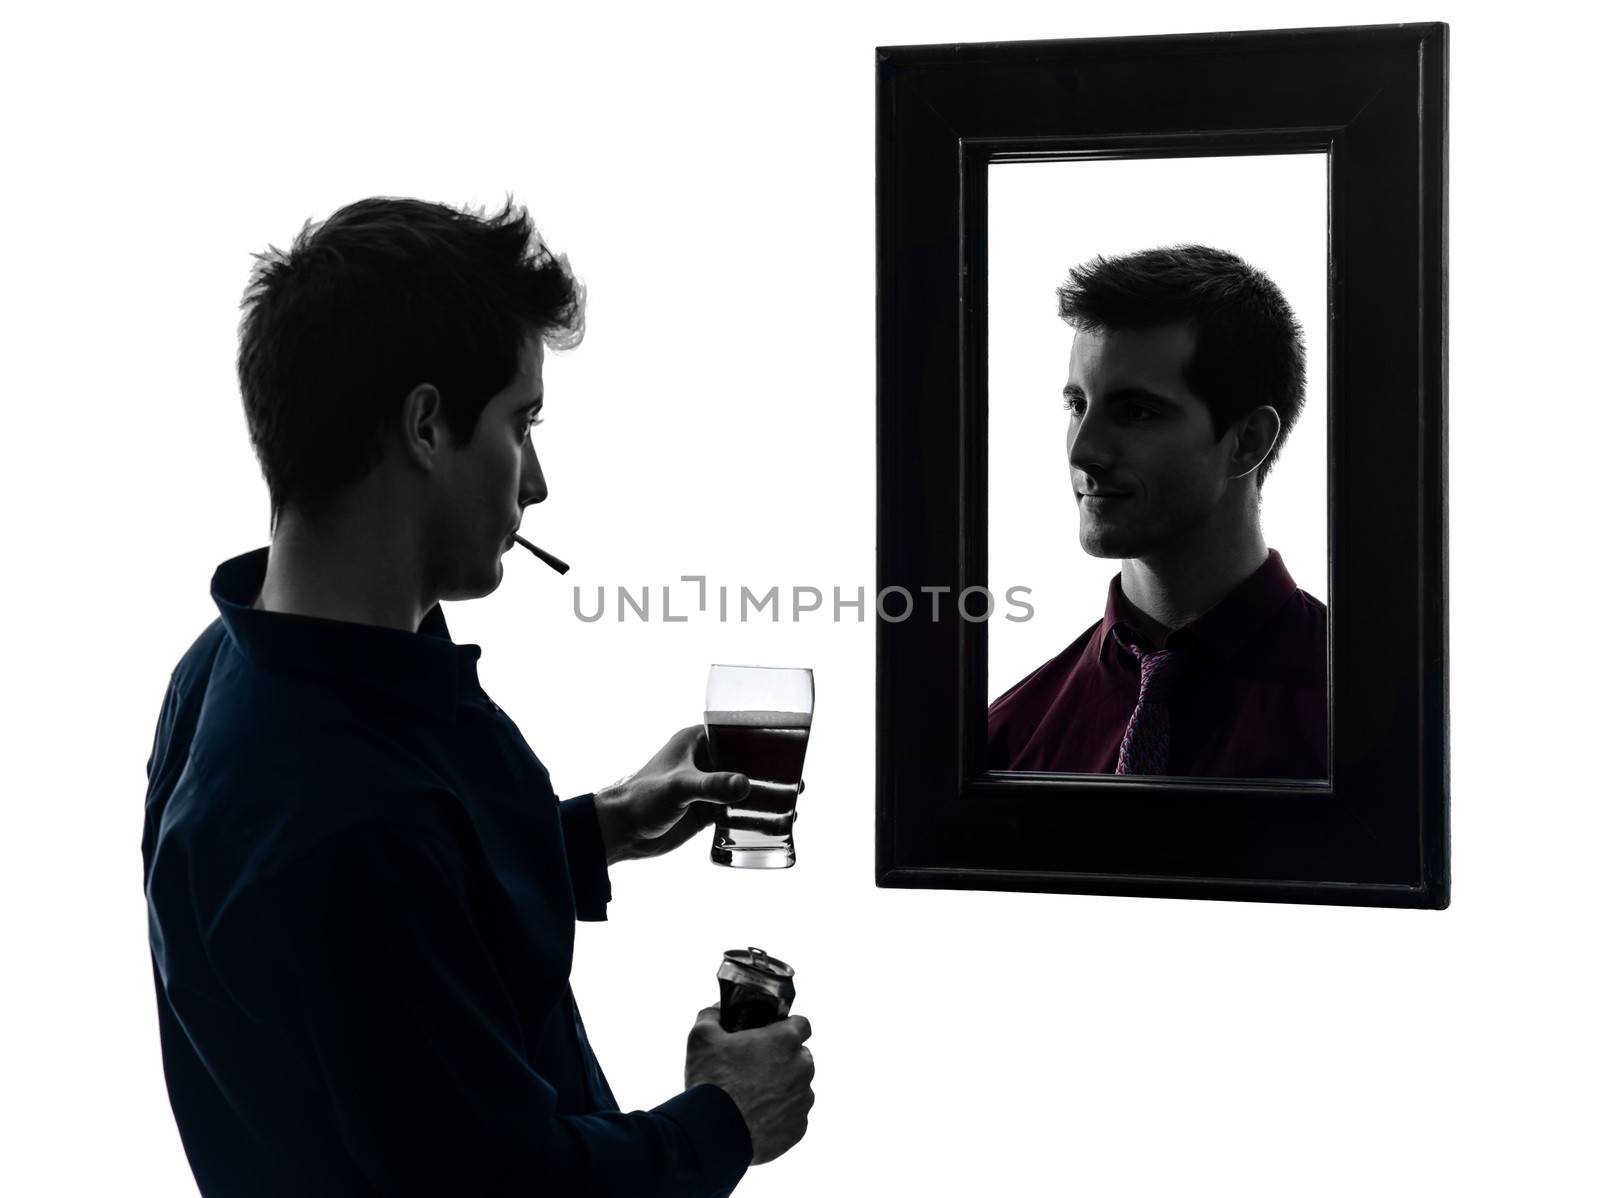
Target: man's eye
(528,424)
(1071,405)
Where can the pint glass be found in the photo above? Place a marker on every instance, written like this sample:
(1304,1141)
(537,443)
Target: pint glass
(758,720)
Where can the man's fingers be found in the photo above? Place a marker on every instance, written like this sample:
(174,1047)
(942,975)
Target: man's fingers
(800,1025)
(773,792)
(713,1013)
(722,787)
(697,815)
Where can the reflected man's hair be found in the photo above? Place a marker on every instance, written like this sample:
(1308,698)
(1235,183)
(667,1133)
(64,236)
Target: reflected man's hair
(384,295)
(1249,347)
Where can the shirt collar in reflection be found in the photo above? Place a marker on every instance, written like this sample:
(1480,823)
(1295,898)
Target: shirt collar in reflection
(1222,631)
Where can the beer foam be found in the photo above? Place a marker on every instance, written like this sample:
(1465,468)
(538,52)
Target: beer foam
(760,719)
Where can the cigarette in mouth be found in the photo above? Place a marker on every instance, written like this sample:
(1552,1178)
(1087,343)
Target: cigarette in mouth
(549,559)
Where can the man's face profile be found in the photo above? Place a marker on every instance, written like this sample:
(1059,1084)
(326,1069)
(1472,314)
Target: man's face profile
(1146,468)
(485,483)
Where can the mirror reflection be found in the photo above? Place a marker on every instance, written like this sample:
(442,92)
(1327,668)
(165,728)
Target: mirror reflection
(1158,466)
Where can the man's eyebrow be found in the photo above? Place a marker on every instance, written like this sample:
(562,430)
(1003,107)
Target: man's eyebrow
(1073,391)
(1143,393)
(534,404)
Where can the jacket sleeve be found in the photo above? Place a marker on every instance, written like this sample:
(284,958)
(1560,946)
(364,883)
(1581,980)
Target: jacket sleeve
(366,948)
(586,857)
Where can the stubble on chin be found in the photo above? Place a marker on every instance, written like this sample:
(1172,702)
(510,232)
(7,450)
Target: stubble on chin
(1098,541)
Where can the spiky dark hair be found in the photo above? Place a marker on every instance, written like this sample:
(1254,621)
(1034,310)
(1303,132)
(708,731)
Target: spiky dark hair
(1249,349)
(384,295)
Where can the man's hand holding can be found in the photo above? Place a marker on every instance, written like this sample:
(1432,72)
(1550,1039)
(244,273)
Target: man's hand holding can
(767,1071)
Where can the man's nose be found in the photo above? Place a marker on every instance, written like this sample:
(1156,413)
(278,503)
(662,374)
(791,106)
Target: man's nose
(534,488)
(1089,442)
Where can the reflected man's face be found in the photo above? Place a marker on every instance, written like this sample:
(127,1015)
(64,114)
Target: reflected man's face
(1146,470)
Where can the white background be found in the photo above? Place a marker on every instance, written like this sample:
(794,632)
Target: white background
(1045,218)
(710,171)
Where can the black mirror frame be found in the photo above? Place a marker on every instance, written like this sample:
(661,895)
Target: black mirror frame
(1374,99)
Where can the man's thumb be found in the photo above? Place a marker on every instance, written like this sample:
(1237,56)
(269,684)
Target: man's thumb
(724,787)
(711,1014)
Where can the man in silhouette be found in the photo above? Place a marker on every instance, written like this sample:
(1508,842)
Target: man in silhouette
(1186,373)
(361,887)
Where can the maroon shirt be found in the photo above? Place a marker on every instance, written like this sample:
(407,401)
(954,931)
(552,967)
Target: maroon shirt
(1252,701)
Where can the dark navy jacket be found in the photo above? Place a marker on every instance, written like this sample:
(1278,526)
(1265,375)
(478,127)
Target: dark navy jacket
(361,892)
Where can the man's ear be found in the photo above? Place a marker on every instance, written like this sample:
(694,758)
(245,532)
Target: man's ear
(1254,436)
(422,429)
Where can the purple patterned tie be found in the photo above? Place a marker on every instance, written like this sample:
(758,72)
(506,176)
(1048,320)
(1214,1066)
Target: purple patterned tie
(1149,734)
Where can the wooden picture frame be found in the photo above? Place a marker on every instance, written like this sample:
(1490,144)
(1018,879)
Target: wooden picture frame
(1373,99)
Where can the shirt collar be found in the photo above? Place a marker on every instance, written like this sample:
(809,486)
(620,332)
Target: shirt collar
(424,669)
(1223,629)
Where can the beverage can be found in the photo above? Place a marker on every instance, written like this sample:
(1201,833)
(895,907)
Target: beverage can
(757,989)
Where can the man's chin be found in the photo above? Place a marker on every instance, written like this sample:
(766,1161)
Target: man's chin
(478,587)
(1107,547)
(494,581)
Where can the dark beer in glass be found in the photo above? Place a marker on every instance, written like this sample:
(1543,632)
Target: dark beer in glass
(758,720)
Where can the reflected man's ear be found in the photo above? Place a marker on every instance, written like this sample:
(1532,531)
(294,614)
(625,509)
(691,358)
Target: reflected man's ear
(1255,434)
